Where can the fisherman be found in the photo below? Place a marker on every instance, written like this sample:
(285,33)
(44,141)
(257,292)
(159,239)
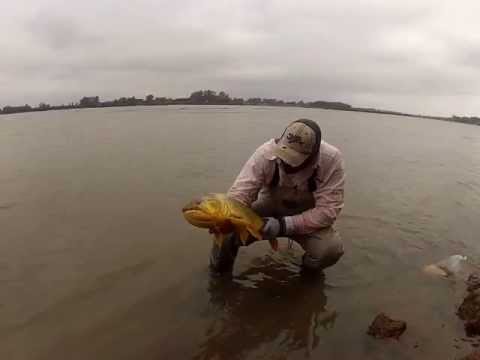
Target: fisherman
(296,183)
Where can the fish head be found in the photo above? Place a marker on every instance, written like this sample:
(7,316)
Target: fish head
(222,215)
(195,215)
(203,212)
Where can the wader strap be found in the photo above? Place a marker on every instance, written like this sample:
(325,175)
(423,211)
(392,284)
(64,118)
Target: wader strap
(276,177)
(312,183)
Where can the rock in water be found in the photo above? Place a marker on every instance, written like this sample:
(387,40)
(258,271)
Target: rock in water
(470,308)
(433,269)
(472,327)
(473,356)
(452,265)
(473,282)
(383,327)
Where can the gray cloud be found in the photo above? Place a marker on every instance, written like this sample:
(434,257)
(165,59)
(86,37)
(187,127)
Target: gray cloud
(417,56)
(58,33)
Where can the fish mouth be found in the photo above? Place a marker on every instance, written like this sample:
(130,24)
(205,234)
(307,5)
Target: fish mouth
(192,206)
(198,218)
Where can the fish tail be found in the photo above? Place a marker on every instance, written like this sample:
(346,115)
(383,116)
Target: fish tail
(255,234)
(219,237)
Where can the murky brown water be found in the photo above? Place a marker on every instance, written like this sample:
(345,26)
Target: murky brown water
(96,261)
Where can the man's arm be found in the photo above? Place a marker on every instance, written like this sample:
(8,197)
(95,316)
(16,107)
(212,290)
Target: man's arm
(328,202)
(250,180)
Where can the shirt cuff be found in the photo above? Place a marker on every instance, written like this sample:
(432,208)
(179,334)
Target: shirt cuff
(289,225)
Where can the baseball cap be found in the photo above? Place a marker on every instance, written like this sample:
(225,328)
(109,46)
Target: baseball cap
(296,144)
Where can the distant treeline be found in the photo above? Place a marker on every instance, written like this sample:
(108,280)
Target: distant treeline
(210,97)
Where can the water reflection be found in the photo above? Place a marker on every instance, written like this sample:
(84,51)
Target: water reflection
(268,306)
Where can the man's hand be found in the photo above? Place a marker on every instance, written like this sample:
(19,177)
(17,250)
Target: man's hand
(271,228)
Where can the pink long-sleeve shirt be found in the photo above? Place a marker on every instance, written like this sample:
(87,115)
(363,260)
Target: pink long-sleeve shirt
(258,172)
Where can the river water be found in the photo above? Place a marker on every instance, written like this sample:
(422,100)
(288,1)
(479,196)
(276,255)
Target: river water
(97,262)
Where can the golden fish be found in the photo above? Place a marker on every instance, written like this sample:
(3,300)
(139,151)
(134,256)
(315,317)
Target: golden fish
(222,216)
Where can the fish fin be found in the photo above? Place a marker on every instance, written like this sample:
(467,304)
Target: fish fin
(219,237)
(243,233)
(255,234)
(274,244)
(238,222)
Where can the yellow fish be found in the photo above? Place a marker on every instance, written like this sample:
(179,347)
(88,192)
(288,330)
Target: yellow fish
(222,216)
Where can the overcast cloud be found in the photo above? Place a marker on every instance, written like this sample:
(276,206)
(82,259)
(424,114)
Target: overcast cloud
(418,56)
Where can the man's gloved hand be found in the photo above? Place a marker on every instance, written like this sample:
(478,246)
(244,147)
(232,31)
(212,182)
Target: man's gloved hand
(272,228)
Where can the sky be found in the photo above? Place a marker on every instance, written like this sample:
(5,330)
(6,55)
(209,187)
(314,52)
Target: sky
(416,56)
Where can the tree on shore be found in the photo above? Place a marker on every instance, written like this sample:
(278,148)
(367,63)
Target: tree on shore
(90,101)
(149,99)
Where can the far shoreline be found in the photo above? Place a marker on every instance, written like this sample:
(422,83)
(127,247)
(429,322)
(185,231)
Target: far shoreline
(209,97)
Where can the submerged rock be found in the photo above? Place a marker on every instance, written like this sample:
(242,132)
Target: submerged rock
(433,269)
(472,327)
(450,266)
(469,309)
(473,356)
(473,282)
(384,327)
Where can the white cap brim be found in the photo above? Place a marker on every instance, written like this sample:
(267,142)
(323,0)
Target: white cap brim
(290,156)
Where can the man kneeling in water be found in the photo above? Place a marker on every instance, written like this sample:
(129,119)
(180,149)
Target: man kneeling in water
(296,183)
